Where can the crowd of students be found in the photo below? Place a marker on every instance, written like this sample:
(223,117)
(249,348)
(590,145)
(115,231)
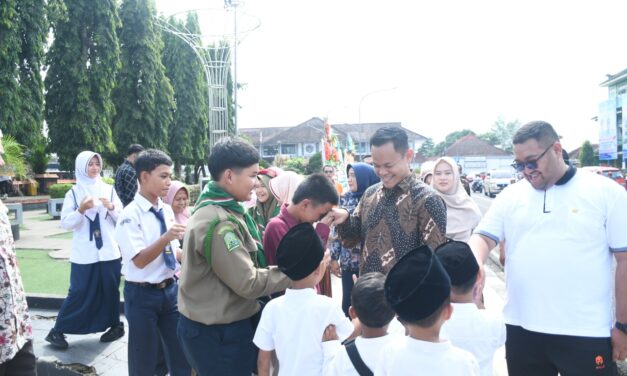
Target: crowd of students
(226,290)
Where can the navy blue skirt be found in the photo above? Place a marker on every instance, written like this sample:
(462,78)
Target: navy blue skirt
(93,301)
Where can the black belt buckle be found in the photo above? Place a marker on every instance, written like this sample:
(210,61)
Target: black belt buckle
(161,285)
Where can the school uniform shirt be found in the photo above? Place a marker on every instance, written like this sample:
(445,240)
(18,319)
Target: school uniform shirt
(84,251)
(293,325)
(479,331)
(223,288)
(559,245)
(137,229)
(279,226)
(337,362)
(409,356)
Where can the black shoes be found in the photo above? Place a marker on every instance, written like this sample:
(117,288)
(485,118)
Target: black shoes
(114,332)
(57,339)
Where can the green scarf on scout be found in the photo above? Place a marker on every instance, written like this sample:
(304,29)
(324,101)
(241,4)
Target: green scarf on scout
(214,195)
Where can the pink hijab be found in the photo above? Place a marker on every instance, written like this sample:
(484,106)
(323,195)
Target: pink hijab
(284,186)
(175,186)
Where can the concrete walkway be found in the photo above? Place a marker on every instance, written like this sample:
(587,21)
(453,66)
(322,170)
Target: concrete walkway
(88,356)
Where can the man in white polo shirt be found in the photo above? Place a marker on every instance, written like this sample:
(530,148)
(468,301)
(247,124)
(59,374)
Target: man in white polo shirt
(561,228)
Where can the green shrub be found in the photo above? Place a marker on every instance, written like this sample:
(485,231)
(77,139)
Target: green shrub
(194,192)
(59,190)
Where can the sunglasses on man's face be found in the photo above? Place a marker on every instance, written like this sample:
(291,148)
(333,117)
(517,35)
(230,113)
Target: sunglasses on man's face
(532,165)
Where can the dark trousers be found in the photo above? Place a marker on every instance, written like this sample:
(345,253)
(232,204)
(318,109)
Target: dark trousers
(347,288)
(152,316)
(23,363)
(221,349)
(540,354)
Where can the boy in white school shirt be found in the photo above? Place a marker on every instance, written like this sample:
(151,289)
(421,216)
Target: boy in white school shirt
(361,355)
(479,331)
(148,237)
(418,289)
(293,324)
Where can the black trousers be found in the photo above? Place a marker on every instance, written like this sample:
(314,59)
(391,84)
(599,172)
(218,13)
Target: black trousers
(23,363)
(540,354)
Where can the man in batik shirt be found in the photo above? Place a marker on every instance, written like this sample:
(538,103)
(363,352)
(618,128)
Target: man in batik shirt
(394,216)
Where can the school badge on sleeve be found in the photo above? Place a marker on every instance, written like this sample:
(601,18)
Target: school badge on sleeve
(231,241)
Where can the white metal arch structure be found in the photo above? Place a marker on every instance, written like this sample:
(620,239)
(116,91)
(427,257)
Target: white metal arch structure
(215,46)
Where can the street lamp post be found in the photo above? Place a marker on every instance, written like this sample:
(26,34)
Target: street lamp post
(369,94)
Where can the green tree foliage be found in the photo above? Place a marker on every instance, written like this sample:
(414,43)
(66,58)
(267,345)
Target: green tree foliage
(315,164)
(23,33)
(188,132)
(501,134)
(14,160)
(587,156)
(426,149)
(449,140)
(38,157)
(83,62)
(143,96)
(298,165)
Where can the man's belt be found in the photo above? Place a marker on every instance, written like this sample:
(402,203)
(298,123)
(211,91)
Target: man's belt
(161,285)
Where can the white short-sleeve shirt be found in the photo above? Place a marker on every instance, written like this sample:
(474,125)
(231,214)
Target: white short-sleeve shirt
(479,331)
(559,245)
(138,228)
(293,325)
(337,362)
(409,356)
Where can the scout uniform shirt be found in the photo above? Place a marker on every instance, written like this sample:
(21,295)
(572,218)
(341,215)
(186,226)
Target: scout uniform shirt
(219,282)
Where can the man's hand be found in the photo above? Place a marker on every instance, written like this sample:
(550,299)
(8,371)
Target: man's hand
(334,267)
(175,232)
(328,219)
(477,294)
(330,334)
(619,345)
(339,215)
(86,204)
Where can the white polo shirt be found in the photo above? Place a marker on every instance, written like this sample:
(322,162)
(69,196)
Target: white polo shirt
(293,325)
(84,251)
(559,248)
(479,331)
(137,229)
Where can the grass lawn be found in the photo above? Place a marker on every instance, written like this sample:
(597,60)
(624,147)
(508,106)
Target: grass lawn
(42,274)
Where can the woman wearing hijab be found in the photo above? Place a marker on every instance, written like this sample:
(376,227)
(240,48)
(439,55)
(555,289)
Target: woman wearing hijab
(284,186)
(426,172)
(360,177)
(90,210)
(462,213)
(267,205)
(178,199)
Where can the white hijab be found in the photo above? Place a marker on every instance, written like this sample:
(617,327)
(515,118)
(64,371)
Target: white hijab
(462,213)
(86,186)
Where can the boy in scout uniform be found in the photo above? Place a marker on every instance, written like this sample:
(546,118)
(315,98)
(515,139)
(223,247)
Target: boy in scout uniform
(224,270)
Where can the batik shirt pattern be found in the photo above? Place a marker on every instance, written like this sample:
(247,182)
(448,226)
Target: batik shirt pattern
(392,222)
(348,257)
(15,324)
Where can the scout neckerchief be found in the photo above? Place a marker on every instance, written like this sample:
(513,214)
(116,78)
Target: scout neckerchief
(214,195)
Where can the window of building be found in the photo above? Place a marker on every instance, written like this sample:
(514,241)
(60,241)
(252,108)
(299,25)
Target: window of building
(270,150)
(289,149)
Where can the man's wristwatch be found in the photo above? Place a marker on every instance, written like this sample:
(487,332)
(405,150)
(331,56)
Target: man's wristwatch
(621,326)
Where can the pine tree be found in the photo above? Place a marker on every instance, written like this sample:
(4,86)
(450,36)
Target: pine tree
(586,155)
(144,97)
(188,133)
(83,62)
(23,33)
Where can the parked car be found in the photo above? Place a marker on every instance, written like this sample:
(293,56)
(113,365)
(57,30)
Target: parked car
(610,172)
(497,180)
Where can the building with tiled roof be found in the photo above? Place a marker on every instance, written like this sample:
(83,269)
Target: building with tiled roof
(476,155)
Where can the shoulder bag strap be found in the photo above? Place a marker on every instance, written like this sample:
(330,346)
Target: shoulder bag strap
(358,362)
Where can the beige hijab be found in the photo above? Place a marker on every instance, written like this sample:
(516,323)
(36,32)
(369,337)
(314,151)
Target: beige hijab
(462,213)
(284,186)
